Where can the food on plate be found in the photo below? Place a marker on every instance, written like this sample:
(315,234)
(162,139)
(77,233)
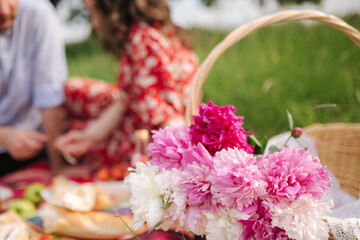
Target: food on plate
(79,197)
(60,185)
(103,174)
(115,172)
(32,192)
(24,207)
(103,200)
(12,227)
(119,171)
(89,225)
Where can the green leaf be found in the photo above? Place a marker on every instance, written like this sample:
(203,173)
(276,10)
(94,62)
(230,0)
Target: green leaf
(291,120)
(273,149)
(256,141)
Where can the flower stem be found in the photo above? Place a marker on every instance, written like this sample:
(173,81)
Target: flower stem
(127,226)
(287,140)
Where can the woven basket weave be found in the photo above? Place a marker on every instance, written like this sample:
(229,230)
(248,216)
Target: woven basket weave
(338,144)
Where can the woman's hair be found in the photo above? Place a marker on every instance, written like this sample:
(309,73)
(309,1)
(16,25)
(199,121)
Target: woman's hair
(117,16)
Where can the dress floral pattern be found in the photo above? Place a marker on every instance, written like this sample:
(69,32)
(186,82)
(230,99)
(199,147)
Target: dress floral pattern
(154,80)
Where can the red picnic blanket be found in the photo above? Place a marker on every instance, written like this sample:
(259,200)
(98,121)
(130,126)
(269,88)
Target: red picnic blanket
(13,186)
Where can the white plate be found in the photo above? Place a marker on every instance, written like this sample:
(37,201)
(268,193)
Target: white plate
(46,194)
(5,193)
(114,188)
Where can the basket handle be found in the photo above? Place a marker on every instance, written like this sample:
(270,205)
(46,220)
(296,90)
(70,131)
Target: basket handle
(242,31)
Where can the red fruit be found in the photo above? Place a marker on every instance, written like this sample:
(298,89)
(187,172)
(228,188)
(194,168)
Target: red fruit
(103,174)
(47,237)
(117,172)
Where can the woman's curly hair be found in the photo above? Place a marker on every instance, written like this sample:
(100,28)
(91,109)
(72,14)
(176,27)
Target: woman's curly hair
(117,16)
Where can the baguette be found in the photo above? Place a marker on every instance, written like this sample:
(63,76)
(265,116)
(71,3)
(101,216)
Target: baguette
(89,225)
(13,227)
(103,200)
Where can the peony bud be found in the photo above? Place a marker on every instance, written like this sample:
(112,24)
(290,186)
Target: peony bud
(296,132)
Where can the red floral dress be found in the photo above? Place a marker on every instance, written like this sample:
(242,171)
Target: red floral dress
(154,80)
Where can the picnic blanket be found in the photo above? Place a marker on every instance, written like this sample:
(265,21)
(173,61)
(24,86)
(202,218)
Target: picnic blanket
(12,186)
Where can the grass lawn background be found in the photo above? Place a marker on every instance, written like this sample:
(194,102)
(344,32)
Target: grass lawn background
(288,66)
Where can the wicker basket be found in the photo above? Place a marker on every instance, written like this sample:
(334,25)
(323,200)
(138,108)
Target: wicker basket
(338,144)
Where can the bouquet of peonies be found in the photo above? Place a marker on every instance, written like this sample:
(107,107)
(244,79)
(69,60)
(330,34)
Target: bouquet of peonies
(206,180)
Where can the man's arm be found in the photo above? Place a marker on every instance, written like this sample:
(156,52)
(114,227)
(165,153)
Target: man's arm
(53,123)
(49,75)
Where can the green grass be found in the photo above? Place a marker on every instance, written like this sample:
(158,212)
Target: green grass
(89,59)
(283,67)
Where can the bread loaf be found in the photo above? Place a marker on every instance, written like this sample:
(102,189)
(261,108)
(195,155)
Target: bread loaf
(89,225)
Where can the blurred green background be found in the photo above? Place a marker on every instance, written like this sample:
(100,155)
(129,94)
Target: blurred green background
(289,66)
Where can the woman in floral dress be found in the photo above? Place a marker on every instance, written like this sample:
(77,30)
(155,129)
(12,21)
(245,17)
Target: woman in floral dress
(156,70)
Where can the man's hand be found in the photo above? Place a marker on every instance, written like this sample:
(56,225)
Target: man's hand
(24,144)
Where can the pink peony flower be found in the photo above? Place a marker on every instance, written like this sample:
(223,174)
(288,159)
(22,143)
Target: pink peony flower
(259,227)
(196,154)
(219,128)
(236,180)
(293,172)
(195,221)
(195,177)
(168,146)
(263,230)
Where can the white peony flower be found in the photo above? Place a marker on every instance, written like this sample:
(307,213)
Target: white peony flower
(225,225)
(174,212)
(301,219)
(150,191)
